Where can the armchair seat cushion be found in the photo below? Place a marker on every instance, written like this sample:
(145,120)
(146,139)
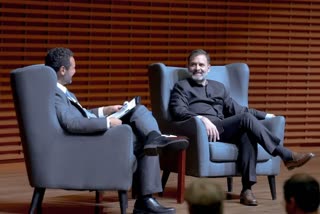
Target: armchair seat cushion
(228,152)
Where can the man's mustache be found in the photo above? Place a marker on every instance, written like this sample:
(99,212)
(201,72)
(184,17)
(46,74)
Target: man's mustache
(195,72)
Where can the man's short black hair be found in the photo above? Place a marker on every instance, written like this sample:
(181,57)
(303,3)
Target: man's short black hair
(305,191)
(198,52)
(58,57)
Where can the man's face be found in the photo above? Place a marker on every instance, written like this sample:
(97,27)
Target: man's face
(199,68)
(65,75)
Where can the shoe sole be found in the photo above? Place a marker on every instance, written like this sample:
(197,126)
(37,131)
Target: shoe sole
(302,163)
(247,204)
(154,150)
(137,211)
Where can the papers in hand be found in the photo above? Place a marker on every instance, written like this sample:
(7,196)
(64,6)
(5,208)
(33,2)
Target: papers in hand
(127,107)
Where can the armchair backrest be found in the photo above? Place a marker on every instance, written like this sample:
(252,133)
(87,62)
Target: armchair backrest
(33,90)
(162,79)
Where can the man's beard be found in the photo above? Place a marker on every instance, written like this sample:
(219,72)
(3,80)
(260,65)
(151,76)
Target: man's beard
(199,79)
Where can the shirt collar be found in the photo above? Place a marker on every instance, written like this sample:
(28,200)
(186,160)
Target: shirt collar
(62,88)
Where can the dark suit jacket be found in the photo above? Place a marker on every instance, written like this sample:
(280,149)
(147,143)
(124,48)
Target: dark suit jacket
(189,99)
(73,119)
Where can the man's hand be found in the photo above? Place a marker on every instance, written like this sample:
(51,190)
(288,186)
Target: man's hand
(114,122)
(212,131)
(107,110)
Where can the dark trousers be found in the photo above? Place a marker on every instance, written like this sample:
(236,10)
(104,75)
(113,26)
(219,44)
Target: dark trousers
(246,131)
(147,178)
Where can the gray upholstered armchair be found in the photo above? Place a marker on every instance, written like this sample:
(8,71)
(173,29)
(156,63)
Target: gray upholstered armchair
(203,158)
(57,160)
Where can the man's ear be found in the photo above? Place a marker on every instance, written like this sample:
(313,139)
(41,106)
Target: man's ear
(62,70)
(292,202)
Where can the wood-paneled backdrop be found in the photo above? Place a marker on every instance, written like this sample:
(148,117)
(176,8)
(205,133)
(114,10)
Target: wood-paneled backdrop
(114,41)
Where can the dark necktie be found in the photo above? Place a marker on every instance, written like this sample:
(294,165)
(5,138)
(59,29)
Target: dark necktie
(75,101)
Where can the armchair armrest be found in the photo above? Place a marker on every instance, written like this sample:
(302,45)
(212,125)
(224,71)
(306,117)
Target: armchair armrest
(276,125)
(88,157)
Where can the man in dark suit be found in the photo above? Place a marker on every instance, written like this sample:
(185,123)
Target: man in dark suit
(225,120)
(76,119)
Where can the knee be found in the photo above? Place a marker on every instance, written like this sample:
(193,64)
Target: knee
(247,115)
(248,119)
(141,109)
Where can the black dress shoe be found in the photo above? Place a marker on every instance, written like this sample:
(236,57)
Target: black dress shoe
(156,143)
(151,206)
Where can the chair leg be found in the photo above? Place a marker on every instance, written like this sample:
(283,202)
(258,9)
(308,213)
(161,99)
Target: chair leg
(272,185)
(229,183)
(164,179)
(36,203)
(123,200)
(99,197)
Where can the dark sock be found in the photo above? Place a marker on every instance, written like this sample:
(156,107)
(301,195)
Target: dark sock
(284,153)
(247,185)
(143,197)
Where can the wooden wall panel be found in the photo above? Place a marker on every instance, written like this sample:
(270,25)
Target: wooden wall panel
(114,41)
